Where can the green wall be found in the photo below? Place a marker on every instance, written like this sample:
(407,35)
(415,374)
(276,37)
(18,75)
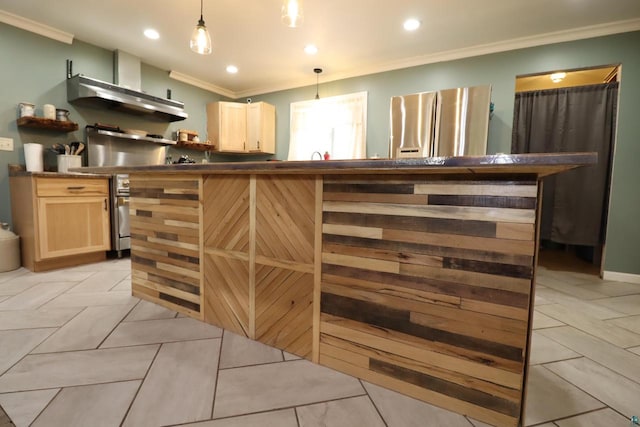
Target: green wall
(500,70)
(34,70)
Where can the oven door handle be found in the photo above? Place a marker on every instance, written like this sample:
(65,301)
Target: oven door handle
(122,201)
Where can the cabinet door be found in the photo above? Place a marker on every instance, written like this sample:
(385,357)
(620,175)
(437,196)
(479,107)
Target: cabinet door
(233,124)
(261,127)
(72,225)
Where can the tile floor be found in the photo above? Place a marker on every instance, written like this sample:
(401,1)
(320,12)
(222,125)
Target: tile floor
(77,350)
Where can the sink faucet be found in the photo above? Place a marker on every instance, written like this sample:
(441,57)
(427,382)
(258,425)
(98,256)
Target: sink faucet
(318,153)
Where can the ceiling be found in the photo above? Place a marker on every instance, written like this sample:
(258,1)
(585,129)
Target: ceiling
(354,37)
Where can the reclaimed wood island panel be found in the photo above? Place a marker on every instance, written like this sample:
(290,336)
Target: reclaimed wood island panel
(417,275)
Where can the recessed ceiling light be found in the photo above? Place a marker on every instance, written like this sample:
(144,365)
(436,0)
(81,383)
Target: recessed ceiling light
(411,24)
(232,69)
(310,49)
(558,77)
(152,34)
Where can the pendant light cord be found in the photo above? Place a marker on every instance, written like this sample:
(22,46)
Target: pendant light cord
(317,71)
(201,22)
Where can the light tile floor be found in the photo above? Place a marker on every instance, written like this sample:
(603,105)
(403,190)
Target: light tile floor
(77,350)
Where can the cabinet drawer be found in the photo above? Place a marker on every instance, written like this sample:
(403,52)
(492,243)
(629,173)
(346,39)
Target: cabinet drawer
(60,187)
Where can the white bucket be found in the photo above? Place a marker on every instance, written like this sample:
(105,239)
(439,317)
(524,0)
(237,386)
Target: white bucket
(66,162)
(33,157)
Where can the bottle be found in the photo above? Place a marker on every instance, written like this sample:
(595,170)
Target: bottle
(326,155)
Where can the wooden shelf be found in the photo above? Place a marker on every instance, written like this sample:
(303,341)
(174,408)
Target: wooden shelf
(42,123)
(200,146)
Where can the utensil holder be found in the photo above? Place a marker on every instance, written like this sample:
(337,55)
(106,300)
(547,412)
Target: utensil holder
(67,161)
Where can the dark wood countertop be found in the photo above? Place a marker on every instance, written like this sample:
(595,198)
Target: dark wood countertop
(538,164)
(20,170)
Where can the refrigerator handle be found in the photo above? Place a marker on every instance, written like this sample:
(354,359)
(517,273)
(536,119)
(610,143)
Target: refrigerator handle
(437,112)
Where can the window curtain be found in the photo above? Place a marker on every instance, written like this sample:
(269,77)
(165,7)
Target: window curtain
(572,119)
(336,125)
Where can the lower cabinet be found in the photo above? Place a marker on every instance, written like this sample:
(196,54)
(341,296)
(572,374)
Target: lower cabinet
(72,225)
(61,221)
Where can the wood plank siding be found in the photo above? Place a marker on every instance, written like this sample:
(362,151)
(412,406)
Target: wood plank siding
(165,218)
(426,287)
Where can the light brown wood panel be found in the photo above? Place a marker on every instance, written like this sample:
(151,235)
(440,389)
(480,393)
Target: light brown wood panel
(284,310)
(72,226)
(493,369)
(226,297)
(361,356)
(406,293)
(408,199)
(285,218)
(518,247)
(226,219)
(382,254)
(525,216)
(71,187)
(420,393)
(473,188)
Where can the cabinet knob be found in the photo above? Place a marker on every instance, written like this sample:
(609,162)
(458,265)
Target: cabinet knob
(105,205)
(77,188)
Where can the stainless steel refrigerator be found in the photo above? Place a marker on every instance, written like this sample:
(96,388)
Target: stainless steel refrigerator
(452,122)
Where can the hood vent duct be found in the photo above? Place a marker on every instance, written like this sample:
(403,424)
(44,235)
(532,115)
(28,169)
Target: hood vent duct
(124,96)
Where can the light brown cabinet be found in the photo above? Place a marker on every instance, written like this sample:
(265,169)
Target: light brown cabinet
(233,127)
(62,221)
(261,128)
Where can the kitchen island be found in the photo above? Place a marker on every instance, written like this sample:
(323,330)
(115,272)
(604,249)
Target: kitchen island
(414,274)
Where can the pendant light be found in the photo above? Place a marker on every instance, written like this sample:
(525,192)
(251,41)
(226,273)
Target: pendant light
(292,15)
(200,38)
(317,71)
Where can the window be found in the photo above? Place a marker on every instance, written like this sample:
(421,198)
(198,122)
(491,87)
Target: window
(337,125)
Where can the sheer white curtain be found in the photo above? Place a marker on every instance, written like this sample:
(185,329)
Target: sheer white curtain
(337,125)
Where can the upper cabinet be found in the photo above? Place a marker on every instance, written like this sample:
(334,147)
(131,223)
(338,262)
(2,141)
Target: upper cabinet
(233,127)
(261,128)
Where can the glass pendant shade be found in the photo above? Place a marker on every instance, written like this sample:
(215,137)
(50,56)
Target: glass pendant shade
(292,15)
(200,39)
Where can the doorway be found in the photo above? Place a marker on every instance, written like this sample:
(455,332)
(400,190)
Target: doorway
(570,111)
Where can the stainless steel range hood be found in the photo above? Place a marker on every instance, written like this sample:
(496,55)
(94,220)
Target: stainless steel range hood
(88,91)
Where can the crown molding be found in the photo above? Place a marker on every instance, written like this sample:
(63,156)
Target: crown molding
(479,50)
(35,27)
(185,78)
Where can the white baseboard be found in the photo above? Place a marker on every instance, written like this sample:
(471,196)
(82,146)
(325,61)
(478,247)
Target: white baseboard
(614,276)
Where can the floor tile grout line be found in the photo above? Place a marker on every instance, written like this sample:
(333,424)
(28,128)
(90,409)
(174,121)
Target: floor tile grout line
(142,380)
(47,405)
(215,385)
(589,333)
(597,363)
(605,405)
(28,289)
(372,402)
(264,364)
(604,341)
(117,324)
(581,414)
(295,412)
(2,373)
(266,411)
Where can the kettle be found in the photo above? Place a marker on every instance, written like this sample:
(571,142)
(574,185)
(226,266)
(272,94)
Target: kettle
(62,115)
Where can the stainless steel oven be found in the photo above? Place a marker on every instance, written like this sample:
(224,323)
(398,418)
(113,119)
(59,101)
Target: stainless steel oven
(120,230)
(107,146)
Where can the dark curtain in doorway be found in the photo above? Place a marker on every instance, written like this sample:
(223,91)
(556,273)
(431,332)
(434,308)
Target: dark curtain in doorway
(568,120)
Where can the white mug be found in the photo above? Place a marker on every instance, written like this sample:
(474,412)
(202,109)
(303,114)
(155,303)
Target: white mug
(49,111)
